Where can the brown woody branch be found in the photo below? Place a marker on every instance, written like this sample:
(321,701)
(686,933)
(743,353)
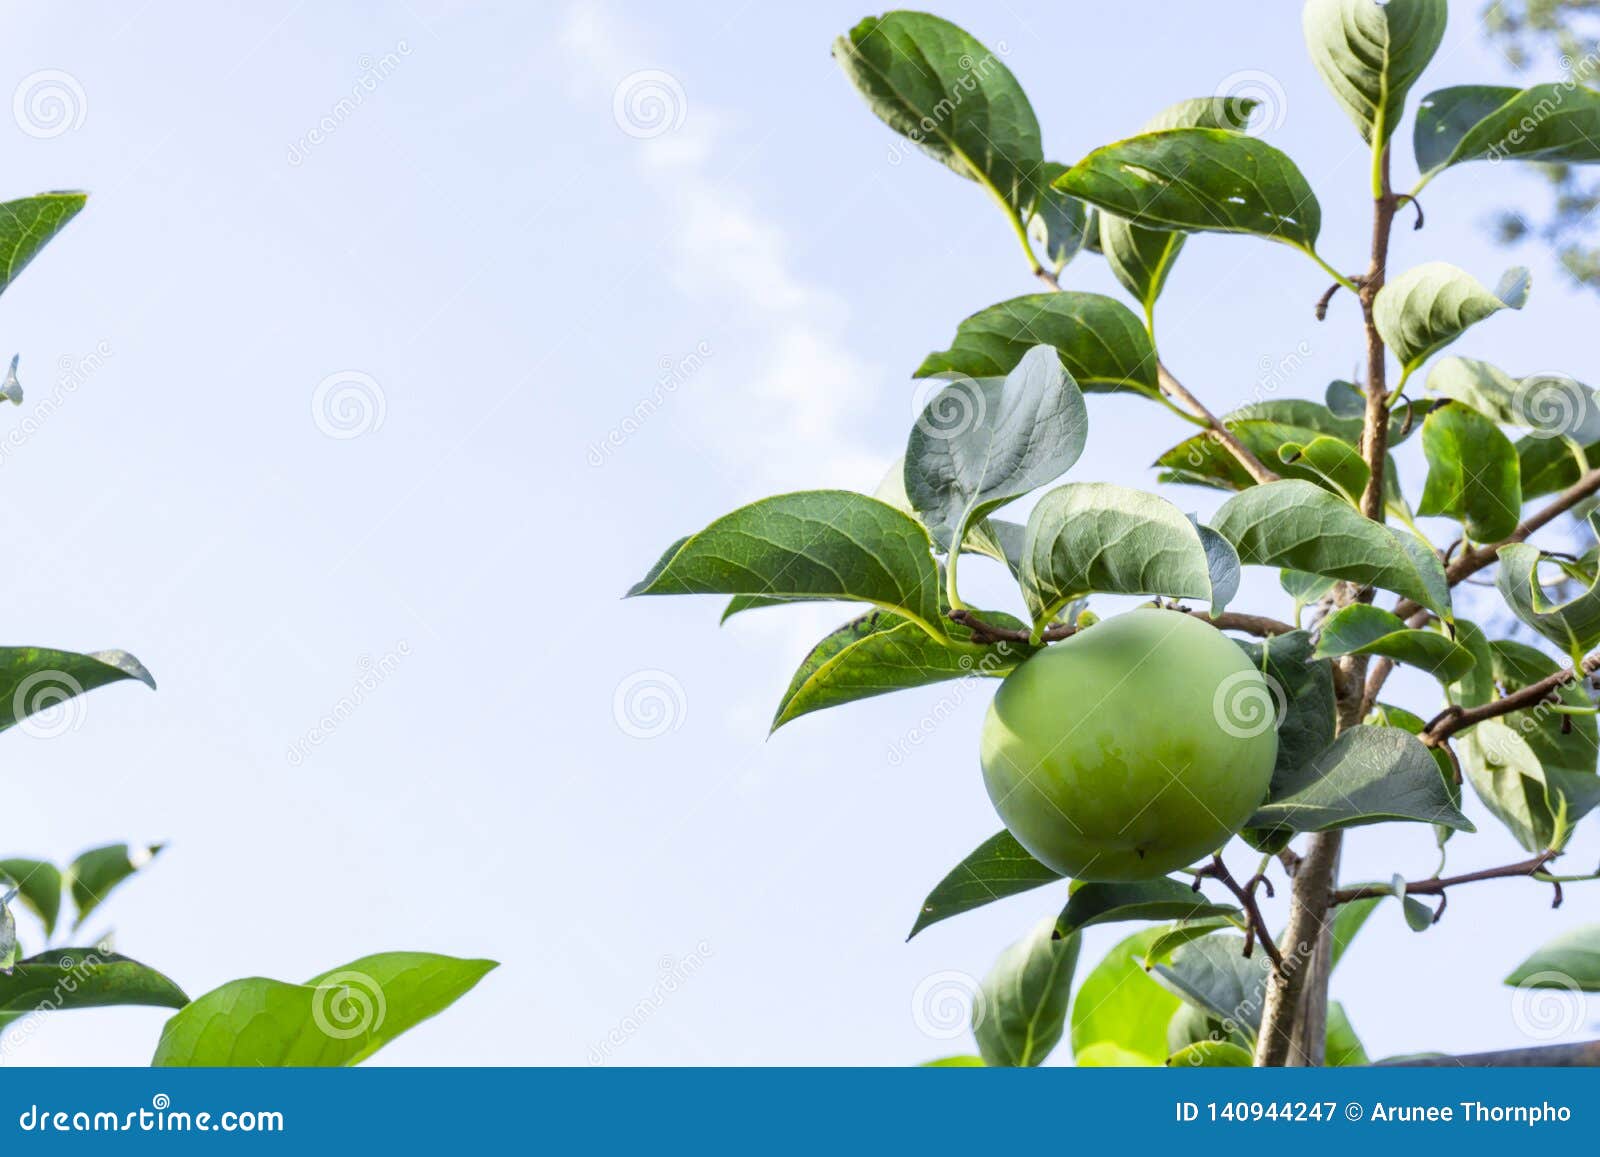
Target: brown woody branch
(1172,387)
(1453,718)
(1585,1055)
(1436,885)
(1246,895)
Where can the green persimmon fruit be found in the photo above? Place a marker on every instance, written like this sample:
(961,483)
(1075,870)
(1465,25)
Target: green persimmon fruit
(1132,748)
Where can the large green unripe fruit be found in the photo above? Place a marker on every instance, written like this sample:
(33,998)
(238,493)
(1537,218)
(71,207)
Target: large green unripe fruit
(1132,748)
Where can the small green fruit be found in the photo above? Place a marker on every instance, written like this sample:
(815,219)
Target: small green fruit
(1132,748)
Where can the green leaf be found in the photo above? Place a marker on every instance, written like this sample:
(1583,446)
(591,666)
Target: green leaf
(741,603)
(34,679)
(1023,1010)
(1564,744)
(1574,626)
(1175,936)
(880,652)
(816,544)
(1299,525)
(1303,687)
(1161,899)
(1510,781)
(8,935)
(950,96)
(1215,976)
(66,978)
(997,539)
(956,1062)
(1120,1015)
(1476,687)
(1206,180)
(1370,775)
(94,874)
(1419,917)
(1059,224)
(1338,465)
(1088,537)
(1558,123)
(1211,1054)
(1343,1046)
(1426,308)
(1141,258)
(38,885)
(1361,629)
(1571,960)
(1222,561)
(997,868)
(1549,465)
(339,1018)
(1552,405)
(1102,345)
(1347,921)
(26,226)
(1371,54)
(983,442)
(1473,473)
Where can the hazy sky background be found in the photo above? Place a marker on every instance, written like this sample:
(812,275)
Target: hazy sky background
(499,264)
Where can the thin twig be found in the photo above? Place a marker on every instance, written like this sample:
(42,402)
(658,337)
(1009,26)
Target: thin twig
(1436,885)
(1456,718)
(1258,930)
(986,632)
(1219,429)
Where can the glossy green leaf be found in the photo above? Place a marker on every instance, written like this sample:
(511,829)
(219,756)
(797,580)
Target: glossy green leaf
(1303,688)
(1102,345)
(26,226)
(950,96)
(1337,465)
(35,679)
(1141,258)
(1160,899)
(1215,976)
(1425,309)
(1558,123)
(1205,180)
(816,544)
(1120,1015)
(983,442)
(1369,775)
(1473,473)
(1175,936)
(38,885)
(1548,465)
(1362,629)
(1090,537)
(1509,778)
(1565,744)
(66,978)
(881,652)
(1574,626)
(999,540)
(95,873)
(1299,525)
(1419,917)
(1023,1010)
(1192,1025)
(997,868)
(1211,1054)
(339,1018)
(956,1062)
(1476,687)
(1570,961)
(1553,406)
(1371,54)
(8,935)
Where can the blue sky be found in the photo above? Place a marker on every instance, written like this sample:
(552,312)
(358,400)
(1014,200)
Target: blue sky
(363,402)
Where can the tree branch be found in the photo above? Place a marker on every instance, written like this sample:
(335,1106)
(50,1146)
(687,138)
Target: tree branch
(1453,719)
(986,632)
(1436,885)
(1219,429)
(1470,562)
(1585,1055)
(1247,900)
